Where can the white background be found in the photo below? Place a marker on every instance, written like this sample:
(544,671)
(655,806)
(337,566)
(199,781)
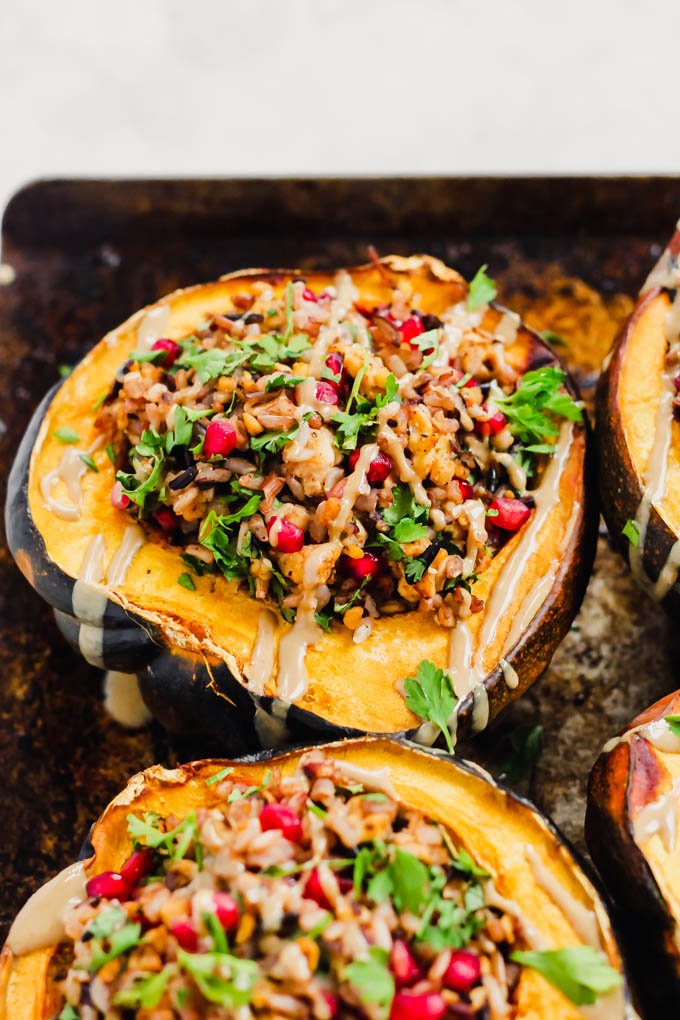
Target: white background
(182,87)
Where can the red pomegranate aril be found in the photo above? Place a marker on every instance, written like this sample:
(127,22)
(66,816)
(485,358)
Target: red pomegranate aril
(677,382)
(280,816)
(326,393)
(314,890)
(110,885)
(410,329)
(512,513)
(378,469)
(465,489)
(118,497)
(220,439)
(407,1006)
(226,910)
(366,566)
(286,536)
(493,425)
(470,382)
(463,971)
(335,363)
(171,346)
(309,295)
(165,519)
(332,1002)
(137,866)
(186,935)
(405,969)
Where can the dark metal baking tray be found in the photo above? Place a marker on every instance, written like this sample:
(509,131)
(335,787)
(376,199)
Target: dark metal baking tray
(85,254)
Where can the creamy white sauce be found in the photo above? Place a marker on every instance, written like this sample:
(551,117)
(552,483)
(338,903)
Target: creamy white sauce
(372,779)
(509,674)
(70,471)
(388,439)
(261,665)
(507,328)
(582,920)
(123,701)
(293,680)
(153,326)
(659,817)
(40,922)
(121,561)
(355,485)
(480,708)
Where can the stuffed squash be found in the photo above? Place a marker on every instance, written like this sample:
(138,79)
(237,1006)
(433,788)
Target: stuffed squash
(639,433)
(317,884)
(632,831)
(272,496)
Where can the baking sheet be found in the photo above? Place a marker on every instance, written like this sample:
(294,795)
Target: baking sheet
(84,254)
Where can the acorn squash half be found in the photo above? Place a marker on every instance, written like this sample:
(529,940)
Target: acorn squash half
(191,649)
(533,871)
(638,434)
(633,834)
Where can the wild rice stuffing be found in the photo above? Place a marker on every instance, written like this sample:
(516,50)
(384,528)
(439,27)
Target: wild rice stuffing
(320,452)
(306,896)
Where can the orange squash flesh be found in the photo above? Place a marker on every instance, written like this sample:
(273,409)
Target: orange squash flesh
(491,823)
(351,685)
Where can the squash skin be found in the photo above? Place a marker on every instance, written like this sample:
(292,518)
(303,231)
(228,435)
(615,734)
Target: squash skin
(204,695)
(622,780)
(621,487)
(458,795)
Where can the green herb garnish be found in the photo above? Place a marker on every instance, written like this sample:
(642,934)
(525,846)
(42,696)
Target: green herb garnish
(673,724)
(538,399)
(631,531)
(219,776)
(372,979)
(580,972)
(187,581)
(431,696)
(482,289)
(66,435)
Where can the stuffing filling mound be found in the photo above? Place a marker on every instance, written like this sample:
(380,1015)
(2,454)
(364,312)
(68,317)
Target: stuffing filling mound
(306,896)
(355,460)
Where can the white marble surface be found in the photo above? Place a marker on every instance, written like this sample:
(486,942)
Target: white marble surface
(163,87)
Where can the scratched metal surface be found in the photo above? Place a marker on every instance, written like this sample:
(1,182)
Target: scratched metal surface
(87,254)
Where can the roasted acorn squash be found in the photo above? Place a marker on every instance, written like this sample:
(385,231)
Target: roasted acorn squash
(639,435)
(191,649)
(545,888)
(632,832)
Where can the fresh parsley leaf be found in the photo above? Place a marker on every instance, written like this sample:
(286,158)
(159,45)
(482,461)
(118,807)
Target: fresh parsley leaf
(392,549)
(215,362)
(357,382)
(538,399)
(153,356)
(99,401)
(372,979)
(219,776)
(174,843)
(281,382)
(120,941)
(138,491)
(207,969)
(219,936)
(145,992)
(482,289)
(525,748)
(428,343)
(316,809)
(68,1013)
(186,581)
(408,531)
(580,972)
(673,724)
(66,435)
(89,462)
(378,798)
(102,926)
(631,531)
(554,339)
(404,506)
(431,696)
(463,862)
(238,795)
(272,442)
(111,453)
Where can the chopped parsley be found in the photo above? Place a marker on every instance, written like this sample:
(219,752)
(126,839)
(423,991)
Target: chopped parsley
(207,970)
(431,696)
(238,795)
(405,516)
(580,972)
(428,343)
(120,941)
(281,381)
(89,462)
(145,992)
(187,581)
(366,414)
(174,844)
(482,289)
(66,435)
(219,776)
(372,979)
(272,442)
(673,724)
(140,491)
(111,453)
(631,531)
(536,402)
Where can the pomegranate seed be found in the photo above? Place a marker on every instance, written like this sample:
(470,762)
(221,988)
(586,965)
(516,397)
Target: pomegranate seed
(512,513)
(173,349)
(220,439)
(405,969)
(471,381)
(309,295)
(326,392)
(465,489)
(325,296)
(287,537)
(378,469)
(365,566)
(165,519)
(186,935)
(332,1002)
(407,1006)
(677,382)
(110,885)
(118,497)
(493,425)
(226,909)
(137,866)
(410,329)
(463,971)
(314,890)
(346,885)
(335,363)
(279,816)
